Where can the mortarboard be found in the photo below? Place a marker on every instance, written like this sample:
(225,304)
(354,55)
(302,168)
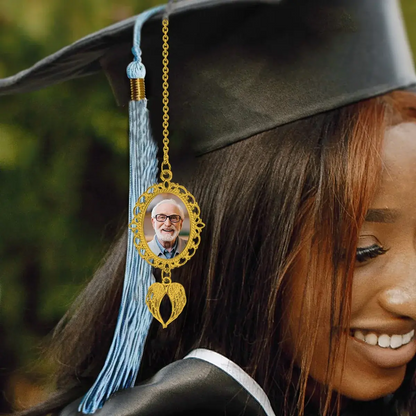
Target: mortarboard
(236,68)
(241,67)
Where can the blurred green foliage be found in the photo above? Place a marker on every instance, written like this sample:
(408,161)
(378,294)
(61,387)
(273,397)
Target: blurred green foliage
(63,172)
(63,175)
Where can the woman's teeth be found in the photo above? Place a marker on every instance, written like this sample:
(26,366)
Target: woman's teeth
(384,340)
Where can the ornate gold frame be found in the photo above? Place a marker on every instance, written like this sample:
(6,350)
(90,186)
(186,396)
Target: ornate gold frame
(137,225)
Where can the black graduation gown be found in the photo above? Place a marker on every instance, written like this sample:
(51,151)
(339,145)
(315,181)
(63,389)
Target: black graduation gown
(195,387)
(189,387)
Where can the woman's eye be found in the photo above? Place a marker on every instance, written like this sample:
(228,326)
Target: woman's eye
(367,253)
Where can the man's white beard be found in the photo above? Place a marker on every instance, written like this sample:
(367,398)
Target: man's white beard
(167,237)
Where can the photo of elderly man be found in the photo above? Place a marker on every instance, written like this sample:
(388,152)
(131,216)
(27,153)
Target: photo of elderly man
(167,220)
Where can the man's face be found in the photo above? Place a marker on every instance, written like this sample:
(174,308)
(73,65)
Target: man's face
(167,230)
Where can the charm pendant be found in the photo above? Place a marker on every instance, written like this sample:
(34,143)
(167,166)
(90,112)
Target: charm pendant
(165,200)
(166,223)
(176,294)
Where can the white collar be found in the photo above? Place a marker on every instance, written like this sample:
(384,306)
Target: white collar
(237,373)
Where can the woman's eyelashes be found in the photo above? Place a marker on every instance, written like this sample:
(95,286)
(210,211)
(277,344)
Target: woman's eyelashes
(367,253)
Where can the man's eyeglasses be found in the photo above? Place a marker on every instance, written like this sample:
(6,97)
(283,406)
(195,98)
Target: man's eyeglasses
(162,218)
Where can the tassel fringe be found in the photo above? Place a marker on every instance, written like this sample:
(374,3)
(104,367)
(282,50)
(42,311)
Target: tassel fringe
(126,351)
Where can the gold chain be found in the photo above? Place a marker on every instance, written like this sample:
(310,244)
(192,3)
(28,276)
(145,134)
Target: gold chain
(166,172)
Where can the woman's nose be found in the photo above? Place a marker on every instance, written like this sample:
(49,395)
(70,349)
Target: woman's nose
(400,297)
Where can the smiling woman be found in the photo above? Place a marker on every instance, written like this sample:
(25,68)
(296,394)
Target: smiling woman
(300,297)
(383,312)
(375,337)
(332,218)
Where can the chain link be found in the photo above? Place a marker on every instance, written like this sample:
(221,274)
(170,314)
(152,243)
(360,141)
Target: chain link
(166,173)
(166,276)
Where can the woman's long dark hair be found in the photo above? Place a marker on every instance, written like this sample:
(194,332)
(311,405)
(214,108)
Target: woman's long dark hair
(303,186)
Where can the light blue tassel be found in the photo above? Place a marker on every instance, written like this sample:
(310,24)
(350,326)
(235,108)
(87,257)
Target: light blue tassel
(125,354)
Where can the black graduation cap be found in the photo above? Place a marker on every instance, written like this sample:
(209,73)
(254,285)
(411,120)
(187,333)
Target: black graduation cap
(236,68)
(239,67)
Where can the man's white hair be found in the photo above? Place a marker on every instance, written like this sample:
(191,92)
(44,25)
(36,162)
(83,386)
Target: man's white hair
(168,201)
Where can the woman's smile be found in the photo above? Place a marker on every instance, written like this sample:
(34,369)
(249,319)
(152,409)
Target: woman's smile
(383,350)
(383,340)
